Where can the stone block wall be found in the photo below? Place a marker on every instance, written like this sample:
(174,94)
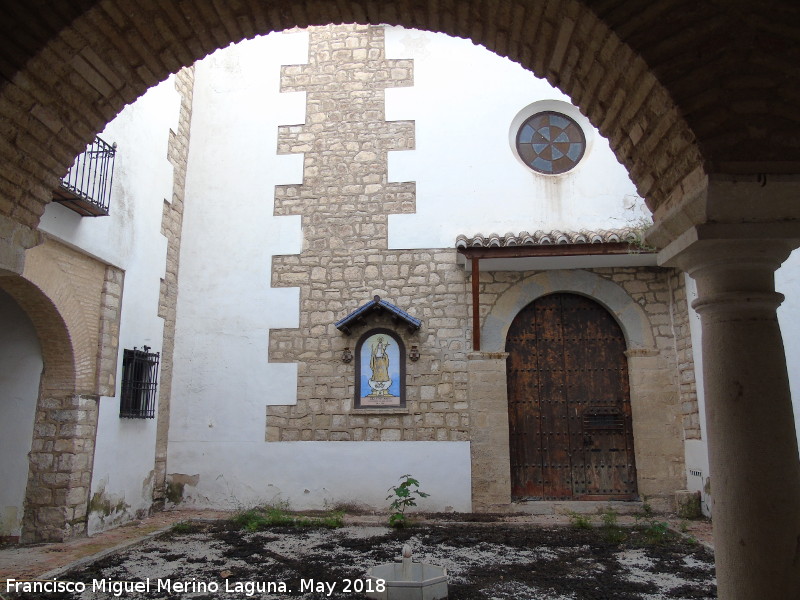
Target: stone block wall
(171,227)
(489,434)
(436,385)
(110,313)
(684,356)
(344,203)
(657,397)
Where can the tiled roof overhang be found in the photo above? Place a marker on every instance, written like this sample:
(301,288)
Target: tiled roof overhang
(556,250)
(547,238)
(377,305)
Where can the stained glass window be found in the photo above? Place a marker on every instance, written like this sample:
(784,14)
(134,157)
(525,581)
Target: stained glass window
(550,143)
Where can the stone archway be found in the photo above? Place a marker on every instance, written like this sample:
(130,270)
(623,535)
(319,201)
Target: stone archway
(108,53)
(50,502)
(631,317)
(65,311)
(637,70)
(653,401)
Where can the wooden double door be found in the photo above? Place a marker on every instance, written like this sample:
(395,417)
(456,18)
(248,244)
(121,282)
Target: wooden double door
(571,436)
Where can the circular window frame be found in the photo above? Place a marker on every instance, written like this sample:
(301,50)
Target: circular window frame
(558,107)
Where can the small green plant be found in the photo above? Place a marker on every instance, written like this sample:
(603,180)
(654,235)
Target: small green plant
(683,526)
(403,495)
(333,520)
(579,521)
(612,532)
(263,517)
(614,535)
(184,527)
(609,517)
(647,508)
(639,229)
(656,532)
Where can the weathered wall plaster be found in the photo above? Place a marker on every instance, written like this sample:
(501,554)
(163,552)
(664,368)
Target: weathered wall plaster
(315,475)
(142,183)
(130,239)
(463,163)
(223,377)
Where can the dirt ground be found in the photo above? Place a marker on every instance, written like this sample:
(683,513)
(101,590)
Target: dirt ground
(485,560)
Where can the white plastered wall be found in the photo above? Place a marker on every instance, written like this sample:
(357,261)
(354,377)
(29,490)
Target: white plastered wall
(464,103)
(463,165)
(129,238)
(20,371)
(697,470)
(222,380)
(787,282)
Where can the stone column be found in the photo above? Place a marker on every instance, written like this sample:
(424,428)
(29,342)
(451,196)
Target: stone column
(752,442)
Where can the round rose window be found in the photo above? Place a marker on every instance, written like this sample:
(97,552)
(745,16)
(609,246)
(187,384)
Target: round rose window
(550,143)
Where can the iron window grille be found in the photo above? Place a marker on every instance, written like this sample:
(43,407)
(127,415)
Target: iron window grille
(86,188)
(139,383)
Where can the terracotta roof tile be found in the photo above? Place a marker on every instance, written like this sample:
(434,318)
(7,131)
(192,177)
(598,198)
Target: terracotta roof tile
(542,238)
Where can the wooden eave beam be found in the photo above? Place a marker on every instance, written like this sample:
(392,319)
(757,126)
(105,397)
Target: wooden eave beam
(476,305)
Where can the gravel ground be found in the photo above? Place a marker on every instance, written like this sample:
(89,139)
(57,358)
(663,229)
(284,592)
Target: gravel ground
(215,561)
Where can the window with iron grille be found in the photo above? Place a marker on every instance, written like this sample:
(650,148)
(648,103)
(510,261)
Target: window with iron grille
(139,383)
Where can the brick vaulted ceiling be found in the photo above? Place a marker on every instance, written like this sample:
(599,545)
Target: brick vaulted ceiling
(681,88)
(732,67)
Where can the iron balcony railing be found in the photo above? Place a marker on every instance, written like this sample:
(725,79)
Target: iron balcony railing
(86,188)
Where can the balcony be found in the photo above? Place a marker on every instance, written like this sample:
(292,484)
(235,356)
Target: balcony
(86,188)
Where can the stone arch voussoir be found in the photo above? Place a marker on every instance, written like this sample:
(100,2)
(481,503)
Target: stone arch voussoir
(58,353)
(631,317)
(110,54)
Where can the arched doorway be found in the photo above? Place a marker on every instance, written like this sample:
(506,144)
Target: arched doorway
(570,428)
(20,373)
(61,415)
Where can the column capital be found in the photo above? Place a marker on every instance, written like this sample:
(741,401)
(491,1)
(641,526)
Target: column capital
(765,202)
(735,276)
(729,247)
